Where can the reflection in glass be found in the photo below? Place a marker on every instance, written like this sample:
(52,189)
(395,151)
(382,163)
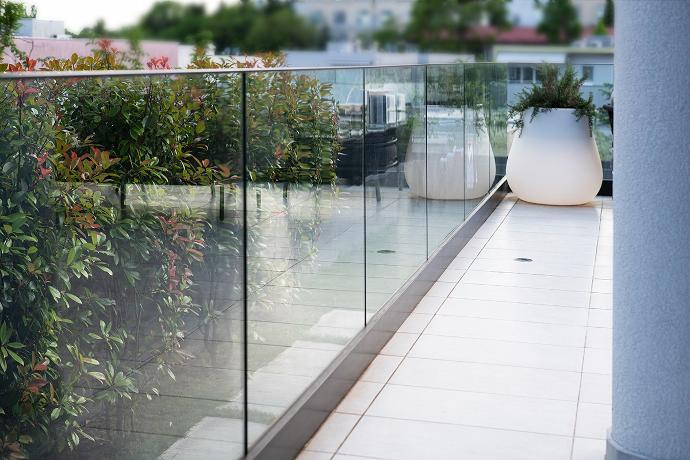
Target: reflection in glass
(480,160)
(305,231)
(129,188)
(445,189)
(395,179)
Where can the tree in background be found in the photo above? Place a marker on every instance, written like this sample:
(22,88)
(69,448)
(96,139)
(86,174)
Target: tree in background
(241,27)
(444,25)
(600,29)
(10,14)
(278,27)
(389,36)
(608,16)
(230,25)
(559,22)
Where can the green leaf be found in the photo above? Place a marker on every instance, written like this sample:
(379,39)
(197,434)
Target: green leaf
(54,292)
(25,439)
(97,375)
(73,297)
(71,255)
(105,269)
(87,360)
(15,357)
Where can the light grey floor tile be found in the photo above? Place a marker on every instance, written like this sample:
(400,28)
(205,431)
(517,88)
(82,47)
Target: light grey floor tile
(488,378)
(451,275)
(514,311)
(381,369)
(465,290)
(596,388)
(567,283)
(475,409)
(415,440)
(514,331)
(597,360)
(312,455)
(461,263)
(603,272)
(333,432)
(577,258)
(359,397)
(415,323)
(589,449)
(429,305)
(599,337)
(534,268)
(350,457)
(593,420)
(400,344)
(602,286)
(498,352)
(600,318)
(440,289)
(603,301)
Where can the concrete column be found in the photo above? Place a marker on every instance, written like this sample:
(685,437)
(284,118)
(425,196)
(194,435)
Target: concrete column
(651,283)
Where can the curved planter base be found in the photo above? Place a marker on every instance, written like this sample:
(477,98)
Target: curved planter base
(440,169)
(555,160)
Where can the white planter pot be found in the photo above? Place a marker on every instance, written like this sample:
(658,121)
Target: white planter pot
(554,160)
(455,170)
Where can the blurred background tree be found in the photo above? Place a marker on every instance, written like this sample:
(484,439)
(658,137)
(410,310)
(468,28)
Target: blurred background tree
(242,27)
(390,36)
(608,16)
(10,14)
(559,22)
(444,25)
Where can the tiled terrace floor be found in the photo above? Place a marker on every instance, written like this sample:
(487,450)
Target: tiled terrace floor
(503,359)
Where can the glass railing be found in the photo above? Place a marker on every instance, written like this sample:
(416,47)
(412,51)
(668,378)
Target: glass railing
(183,254)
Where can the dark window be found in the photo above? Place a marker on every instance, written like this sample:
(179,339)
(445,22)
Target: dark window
(527,74)
(588,72)
(340,17)
(514,74)
(317,18)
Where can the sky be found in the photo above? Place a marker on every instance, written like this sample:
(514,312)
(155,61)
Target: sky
(78,14)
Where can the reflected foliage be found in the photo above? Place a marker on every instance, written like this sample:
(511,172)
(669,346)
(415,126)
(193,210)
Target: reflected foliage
(119,232)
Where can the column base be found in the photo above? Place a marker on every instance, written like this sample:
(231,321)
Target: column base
(615,451)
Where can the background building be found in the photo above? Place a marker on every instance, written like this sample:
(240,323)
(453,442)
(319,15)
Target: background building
(42,39)
(346,20)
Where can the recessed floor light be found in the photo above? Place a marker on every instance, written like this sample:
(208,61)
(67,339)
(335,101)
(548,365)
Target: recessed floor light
(523,259)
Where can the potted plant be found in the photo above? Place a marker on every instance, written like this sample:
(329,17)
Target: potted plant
(554,158)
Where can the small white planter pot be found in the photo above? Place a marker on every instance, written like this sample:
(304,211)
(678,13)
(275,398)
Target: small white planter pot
(554,160)
(455,170)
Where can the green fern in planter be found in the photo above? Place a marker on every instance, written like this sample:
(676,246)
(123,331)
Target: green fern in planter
(554,92)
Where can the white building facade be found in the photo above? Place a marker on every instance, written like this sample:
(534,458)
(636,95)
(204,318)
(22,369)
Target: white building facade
(347,20)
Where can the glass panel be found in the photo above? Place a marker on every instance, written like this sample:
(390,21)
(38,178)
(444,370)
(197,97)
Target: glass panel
(497,117)
(306,231)
(120,205)
(395,179)
(601,87)
(445,189)
(480,160)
